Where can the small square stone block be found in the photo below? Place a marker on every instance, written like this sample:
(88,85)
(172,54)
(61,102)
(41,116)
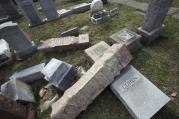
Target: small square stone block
(96,51)
(142,98)
(129,38)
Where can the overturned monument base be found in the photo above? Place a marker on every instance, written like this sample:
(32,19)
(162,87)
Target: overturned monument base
(90,85)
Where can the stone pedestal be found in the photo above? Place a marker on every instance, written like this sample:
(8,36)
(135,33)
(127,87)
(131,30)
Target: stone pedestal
(10,9)
(153,23)
(30,12)
(49,9)
(141,98)
(17,40)
(129,38)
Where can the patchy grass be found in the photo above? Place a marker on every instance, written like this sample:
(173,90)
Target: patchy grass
(158,62)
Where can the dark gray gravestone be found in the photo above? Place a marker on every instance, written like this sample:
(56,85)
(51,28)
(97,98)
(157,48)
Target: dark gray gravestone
(49,9)
(153,23)
(30,74)
(60,74)
(141,98)
(71,32)
(10,9)
(17,40)
(83,7)
(30,12)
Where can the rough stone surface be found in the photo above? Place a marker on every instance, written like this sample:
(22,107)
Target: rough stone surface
(30,12)
(17,40)
(5,53)
(18,91)
(89,86)
(60,74)
(65,43)
(96,5)
(49,9)
(142,98)
(10,9)
(153,23)
(10,109)
(30,74)
(96,51)
(129,38)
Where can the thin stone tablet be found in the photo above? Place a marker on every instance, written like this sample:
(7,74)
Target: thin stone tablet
(142,98)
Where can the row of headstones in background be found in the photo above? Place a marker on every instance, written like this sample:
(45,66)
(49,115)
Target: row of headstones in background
(131,87)
(31,13)
(10,11)
(98,14)
(17,40)
(10,109)
(65,43)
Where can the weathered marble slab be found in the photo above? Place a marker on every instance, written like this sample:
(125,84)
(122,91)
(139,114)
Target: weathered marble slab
(30,74)
(96,51)
(49,9)
(142,98)
(77,98)
(65,43)
(59,74)
(128,37)
(17,40)
(18,91)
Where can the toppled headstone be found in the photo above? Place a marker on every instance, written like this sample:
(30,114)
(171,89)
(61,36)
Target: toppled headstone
(30,12)
(59,74)
(89,86)
(10,109)
(18,91)
(153,23)
(5,53)
(49,9)
(17,40)
(65,43)
(80,8)
(30,74)
(96,51)
(129,38)
(142,98)
(114,12)
(71,32)
(64,13)
(10,9)
(100,16)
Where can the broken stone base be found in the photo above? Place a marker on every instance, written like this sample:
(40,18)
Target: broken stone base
(96,51)
(128,37)
(65,43)
(89,86)
(147,37)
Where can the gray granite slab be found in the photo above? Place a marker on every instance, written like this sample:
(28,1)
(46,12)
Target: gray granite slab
(49,9)
(141,97)
(128,37)
(17,40)
(59,74)
(30,74)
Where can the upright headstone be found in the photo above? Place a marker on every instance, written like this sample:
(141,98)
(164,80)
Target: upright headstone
(10,9)
(128,37)
(59,74)
(96,51)
(30,12)
(17,40)
(153,23)
(49,9)
(96,5)
(142,98)
(77,98)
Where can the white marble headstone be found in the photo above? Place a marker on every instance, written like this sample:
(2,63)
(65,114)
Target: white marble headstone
(96,5)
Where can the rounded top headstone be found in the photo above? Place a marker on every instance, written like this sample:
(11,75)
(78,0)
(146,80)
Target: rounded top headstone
(96,5)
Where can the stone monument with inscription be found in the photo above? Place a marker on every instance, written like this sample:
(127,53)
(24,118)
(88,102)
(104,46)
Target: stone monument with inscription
(17,40)
(153,23)
(49,9)
(141,98)
(129,38)
(30,12)
(96,51)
